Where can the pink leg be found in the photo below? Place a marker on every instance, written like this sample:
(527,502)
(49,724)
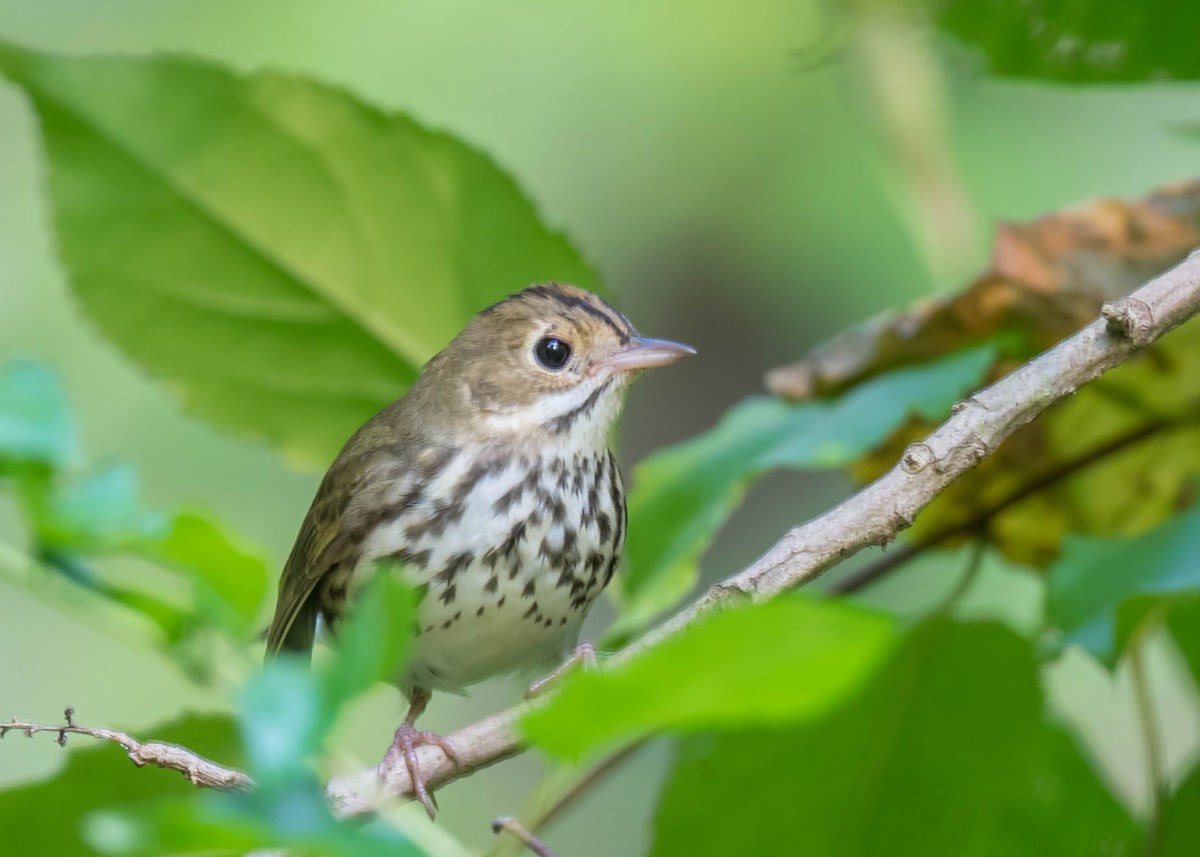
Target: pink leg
(583,655)
(404,746)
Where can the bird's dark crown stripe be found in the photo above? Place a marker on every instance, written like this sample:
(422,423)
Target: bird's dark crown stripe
(622,328)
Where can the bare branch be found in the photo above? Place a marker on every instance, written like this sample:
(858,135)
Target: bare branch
(200,771)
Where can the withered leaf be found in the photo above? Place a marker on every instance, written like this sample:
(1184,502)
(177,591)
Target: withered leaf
(1115,459)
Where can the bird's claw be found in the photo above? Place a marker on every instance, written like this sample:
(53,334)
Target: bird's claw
(404,747)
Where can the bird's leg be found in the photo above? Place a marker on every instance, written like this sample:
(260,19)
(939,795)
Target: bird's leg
(404,746)
(582,656)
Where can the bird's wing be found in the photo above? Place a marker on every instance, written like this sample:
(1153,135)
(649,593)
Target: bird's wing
(320,546)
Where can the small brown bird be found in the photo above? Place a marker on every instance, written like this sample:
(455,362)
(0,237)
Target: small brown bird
(492,485)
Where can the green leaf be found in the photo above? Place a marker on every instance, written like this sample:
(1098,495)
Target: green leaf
(101,513)
(1095,575)
(283,721)
(1079,41)
(287,708)
(46,817)
(35,420)
(1181,819)
(294,819)
(229,577)
(1183,623)
(98,513)
(946,751)
(373,644)
(681,495)
(283,254)
(769,664)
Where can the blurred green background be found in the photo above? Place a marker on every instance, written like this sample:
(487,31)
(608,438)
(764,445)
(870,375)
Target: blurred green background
(747,178)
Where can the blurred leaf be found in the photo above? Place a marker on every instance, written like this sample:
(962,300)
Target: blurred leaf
(46,817)
(98,513)
(229,577)
(296,819)
(284,255)
(35,420)
(1079,41)
(682,495)
(1183,622)
(945,751)
(772,663)
(1095,575)
(1181,819)
(287,709)
(283,720)
(373,644)
(1118,457)
(1177,611)
(102,514)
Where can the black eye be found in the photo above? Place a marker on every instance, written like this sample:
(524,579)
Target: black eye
(552,352)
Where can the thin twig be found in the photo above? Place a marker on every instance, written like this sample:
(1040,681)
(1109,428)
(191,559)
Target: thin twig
(588,782)
(199,770)
(527,839)
(968,577)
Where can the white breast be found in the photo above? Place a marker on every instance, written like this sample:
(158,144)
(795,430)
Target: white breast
(514,546)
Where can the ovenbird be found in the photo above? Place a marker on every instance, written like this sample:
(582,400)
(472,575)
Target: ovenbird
(492,485)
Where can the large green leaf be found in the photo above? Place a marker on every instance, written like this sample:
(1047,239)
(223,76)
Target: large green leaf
(945,752)
(681,495)
(1079,41)
(767,664)
(46,817)
(1095,575)
(284,254)
(35,419)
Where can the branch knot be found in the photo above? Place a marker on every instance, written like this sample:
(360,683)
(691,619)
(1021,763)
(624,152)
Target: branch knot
(1131,319)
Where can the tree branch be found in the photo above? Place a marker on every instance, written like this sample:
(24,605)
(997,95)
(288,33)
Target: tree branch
(977,524)
(873,516)
(200,771)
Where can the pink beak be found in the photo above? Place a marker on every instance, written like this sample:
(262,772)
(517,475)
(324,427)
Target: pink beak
(646,353)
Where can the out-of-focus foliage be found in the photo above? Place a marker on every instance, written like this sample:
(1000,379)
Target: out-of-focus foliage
(1078,41)
(784,661)
(1095,576)
(1138,426)
(77,518)
(286,713)
(689,489)
(284,255)
(35,419)
(934,756)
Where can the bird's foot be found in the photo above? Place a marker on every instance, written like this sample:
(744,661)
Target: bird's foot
(404,748)
(583,656)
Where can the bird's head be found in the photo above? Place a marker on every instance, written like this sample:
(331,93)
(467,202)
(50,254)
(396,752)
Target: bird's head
(548,360)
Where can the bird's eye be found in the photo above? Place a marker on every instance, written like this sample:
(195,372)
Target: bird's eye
(552,352)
